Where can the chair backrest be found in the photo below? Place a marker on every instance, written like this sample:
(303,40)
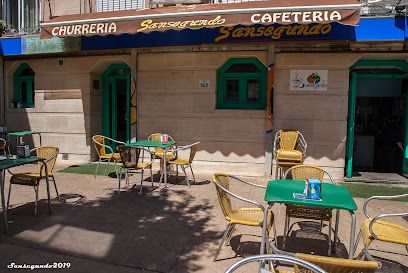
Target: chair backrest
(272,259)
(303,172)
(193,151)
(288,139)
(98,142)
(337,265)
(50,155)
(157,137)
(223,198)
(3,145)
(129,155)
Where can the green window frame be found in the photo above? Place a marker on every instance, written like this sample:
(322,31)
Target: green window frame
(240,81)
(24,86)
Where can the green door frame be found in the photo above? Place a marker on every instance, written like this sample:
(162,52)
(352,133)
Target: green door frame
(354,77)
(107,116)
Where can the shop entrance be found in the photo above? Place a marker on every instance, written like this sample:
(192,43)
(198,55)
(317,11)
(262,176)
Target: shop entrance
(116,102)
(376,140)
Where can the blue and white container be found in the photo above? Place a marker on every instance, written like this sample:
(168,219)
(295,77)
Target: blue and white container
(314,189)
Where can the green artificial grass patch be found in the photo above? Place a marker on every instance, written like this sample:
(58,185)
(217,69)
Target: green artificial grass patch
(90,169)
(366,190)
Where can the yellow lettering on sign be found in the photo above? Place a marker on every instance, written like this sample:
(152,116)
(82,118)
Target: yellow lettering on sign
(275,33)
(148,24)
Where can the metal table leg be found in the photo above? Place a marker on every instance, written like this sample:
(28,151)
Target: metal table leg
(352,235)
(264,225)
(336,230)
(3,202)
(165,167)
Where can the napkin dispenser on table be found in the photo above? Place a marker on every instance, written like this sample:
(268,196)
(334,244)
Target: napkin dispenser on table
(23,151)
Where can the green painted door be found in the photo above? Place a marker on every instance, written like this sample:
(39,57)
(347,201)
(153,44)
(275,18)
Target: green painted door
(116,107)
(354,77)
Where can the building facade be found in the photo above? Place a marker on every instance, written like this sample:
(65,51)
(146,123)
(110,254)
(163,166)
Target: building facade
(231,89)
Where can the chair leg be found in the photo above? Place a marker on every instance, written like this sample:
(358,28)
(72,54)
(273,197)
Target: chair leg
(141,184)
(357,241)
(36,200)
(185,173)
(107,166)
(97,167)
(191,168)
(330,240)
(228,240)
(127,177)
(55,186)
(285,231)
(222,241)
(151,174)
(119,179)
(8,199)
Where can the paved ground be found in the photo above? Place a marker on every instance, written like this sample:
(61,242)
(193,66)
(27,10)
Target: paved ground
(96,229)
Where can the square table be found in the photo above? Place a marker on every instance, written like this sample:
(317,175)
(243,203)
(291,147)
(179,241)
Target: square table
(19,135)
(332,197)
(10,163)
(156,144)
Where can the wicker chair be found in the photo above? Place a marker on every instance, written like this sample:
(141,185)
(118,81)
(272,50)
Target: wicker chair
(337,265)
(304,172)
(130,164)
(158,152)
(273,260)
(185,162)
(33,179)
(248,216)
(285,149)
(374,228)
(101,147)
(4,147)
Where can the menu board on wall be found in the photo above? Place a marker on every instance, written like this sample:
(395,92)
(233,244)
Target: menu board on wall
(313,80)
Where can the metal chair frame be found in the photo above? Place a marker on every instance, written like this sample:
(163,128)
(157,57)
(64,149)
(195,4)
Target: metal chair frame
(4,146)
(288,229)
(230,227)
(135,169)
(301,143)
(183,167)
(272,260)
(95,142)
(36,187)
(365,251)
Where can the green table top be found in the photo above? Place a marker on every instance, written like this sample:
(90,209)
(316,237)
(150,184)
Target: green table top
(333,196)
(22,133)
(152,144)
(9,163)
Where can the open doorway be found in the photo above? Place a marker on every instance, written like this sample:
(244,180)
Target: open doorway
(116,103)
(378,132)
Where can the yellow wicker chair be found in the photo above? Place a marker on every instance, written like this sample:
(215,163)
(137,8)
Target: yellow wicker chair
(130,164)
(158,152)
(286,149)
(185,162)
(248,216)
(101,147)
(337,265)
(275,259)
(304,172)
(374,228)
(4,147)
(33,179)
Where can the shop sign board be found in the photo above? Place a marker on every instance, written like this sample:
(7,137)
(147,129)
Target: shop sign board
(308,79)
